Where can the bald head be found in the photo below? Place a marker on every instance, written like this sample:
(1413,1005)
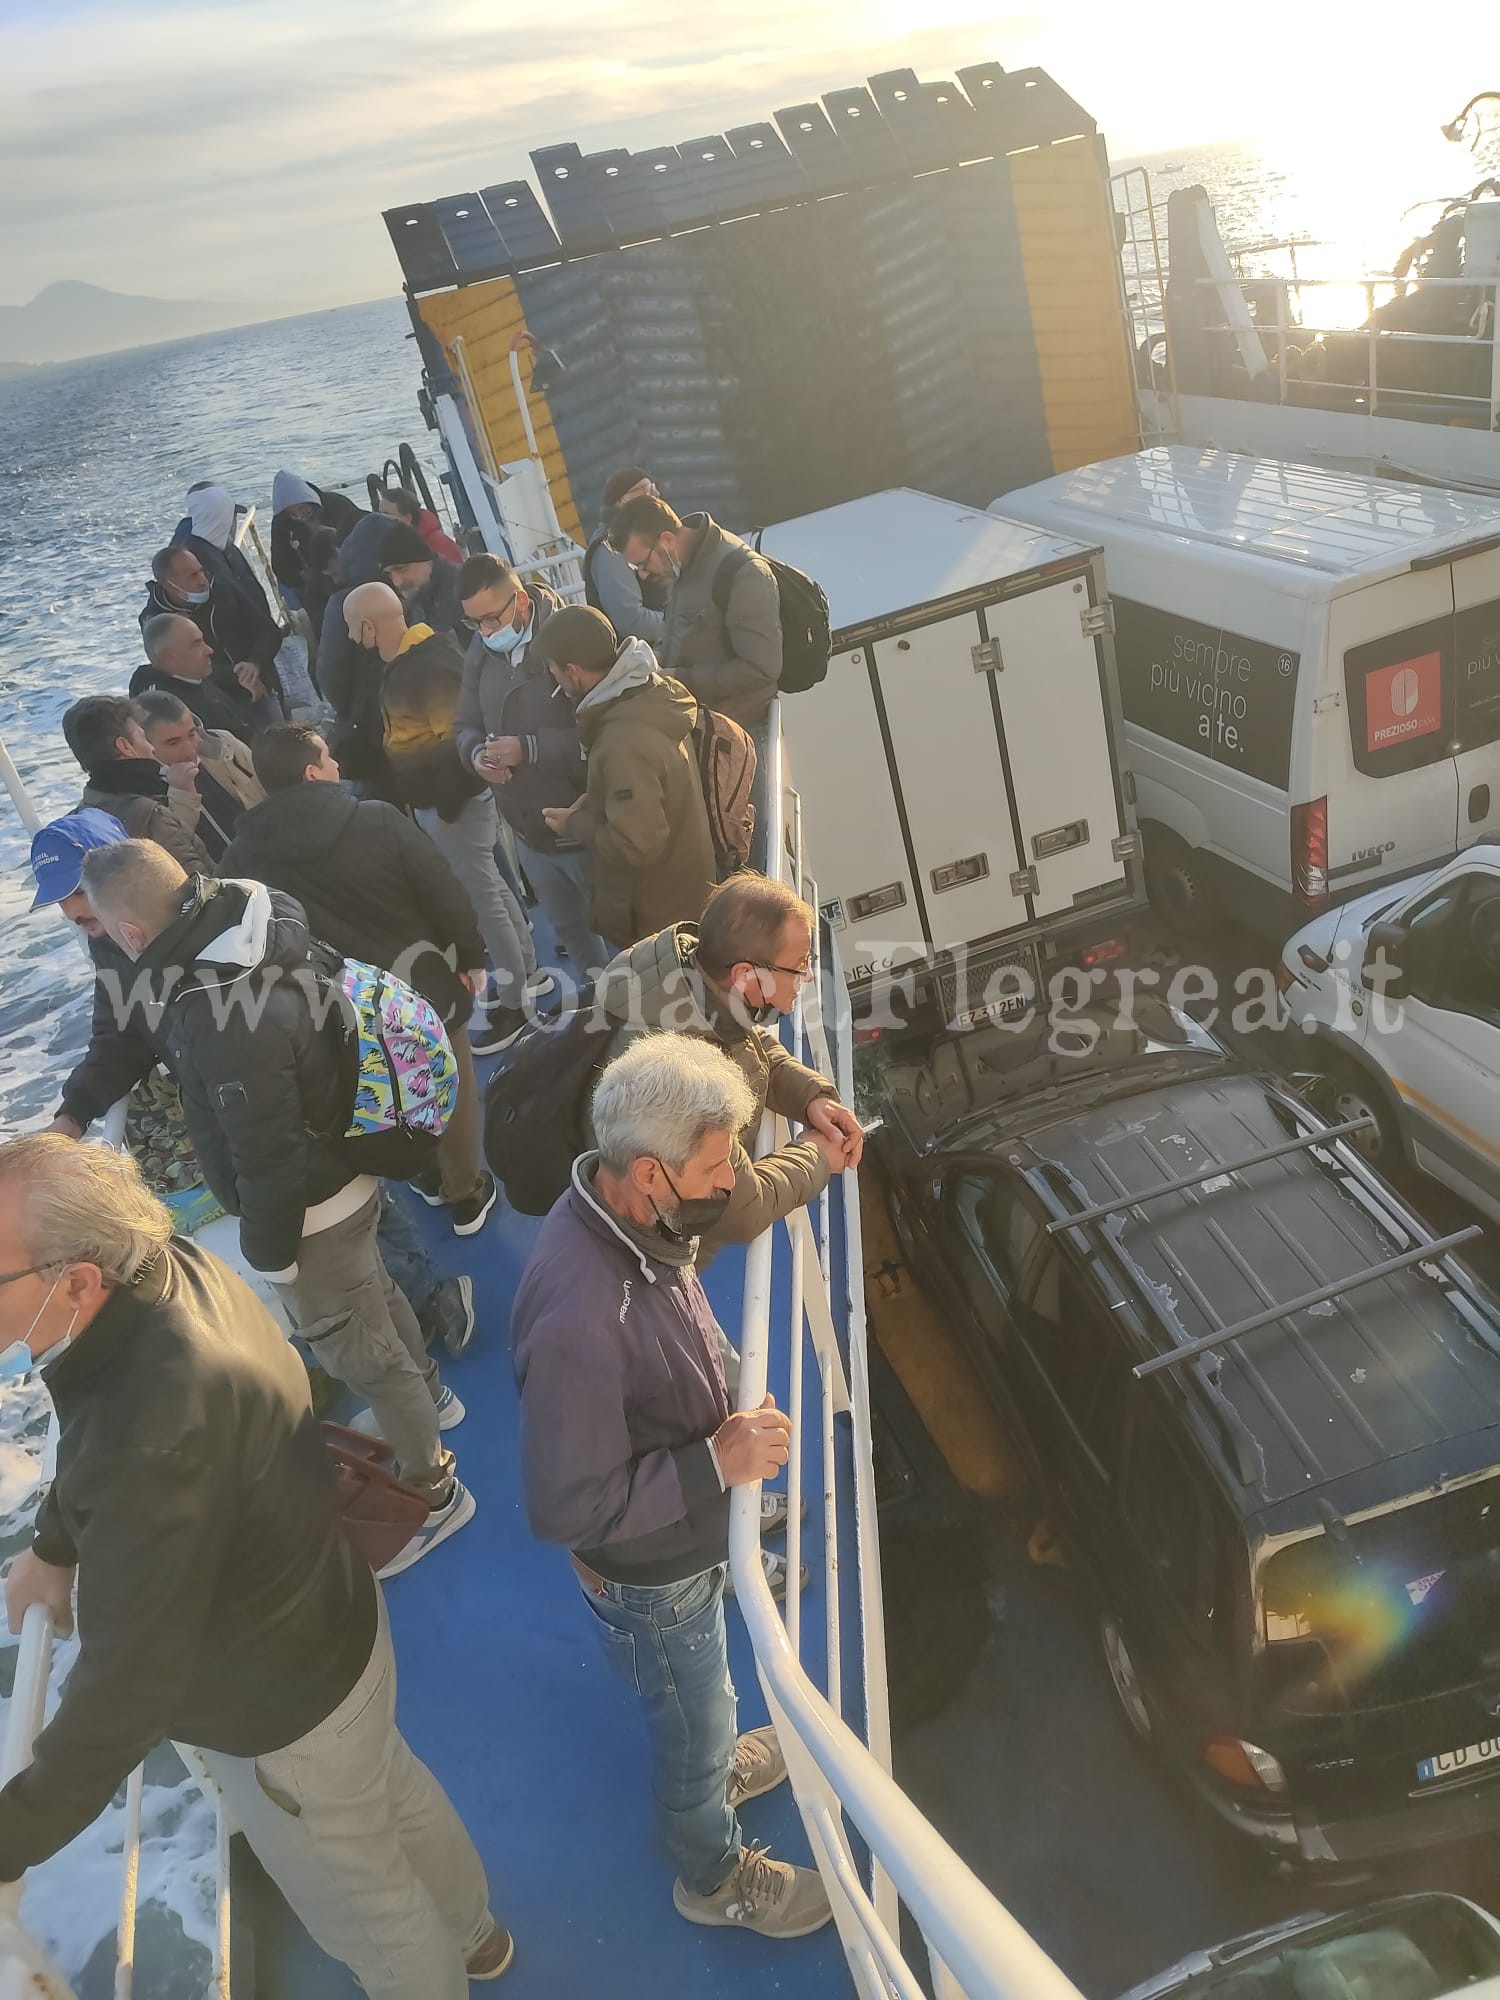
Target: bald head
(373,613)
(136,891)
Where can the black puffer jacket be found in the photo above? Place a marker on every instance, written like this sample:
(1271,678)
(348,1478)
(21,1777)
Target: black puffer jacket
(349,675)
(125,1038)
(370,882)
(236,628)
(261,1078)
(218,1600)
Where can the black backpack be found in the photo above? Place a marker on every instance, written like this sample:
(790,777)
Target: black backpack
(534,1125)
(806,637)
(590,588)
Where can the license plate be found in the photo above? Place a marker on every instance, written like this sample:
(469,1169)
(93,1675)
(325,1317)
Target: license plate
(1447,1762)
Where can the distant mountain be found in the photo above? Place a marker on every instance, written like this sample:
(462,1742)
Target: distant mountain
(70,320)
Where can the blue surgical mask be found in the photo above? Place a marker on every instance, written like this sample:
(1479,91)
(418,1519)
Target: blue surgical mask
(505,640)
(196,596)
(18,1360)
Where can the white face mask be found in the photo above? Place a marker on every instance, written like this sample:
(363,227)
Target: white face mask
(18,1360)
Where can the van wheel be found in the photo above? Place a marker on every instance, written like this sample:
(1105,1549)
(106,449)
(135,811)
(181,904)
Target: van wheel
(1126,1681)
(1356,1095)
(1177,884)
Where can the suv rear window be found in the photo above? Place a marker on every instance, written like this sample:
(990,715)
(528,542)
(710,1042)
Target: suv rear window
(1430,1948)
(1399,1605)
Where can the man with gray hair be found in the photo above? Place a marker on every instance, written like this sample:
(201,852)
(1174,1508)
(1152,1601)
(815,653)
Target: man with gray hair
(219,1602)
(181,662)
(629,1448)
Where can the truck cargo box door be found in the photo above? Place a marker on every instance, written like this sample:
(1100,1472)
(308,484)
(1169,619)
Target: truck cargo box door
(1046,674)
(951,779)
(1476,670)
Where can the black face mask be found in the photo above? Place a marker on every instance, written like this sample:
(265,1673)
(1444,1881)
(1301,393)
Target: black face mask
(693,1218)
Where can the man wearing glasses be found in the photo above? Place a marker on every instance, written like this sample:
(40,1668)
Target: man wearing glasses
(516,731)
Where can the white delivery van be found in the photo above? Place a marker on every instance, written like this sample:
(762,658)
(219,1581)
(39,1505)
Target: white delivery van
(1310,669)
(959,769)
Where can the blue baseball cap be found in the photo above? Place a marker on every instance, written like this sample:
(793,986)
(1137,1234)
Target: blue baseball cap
(57,851)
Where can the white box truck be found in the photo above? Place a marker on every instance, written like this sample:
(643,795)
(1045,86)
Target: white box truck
(1310,668)
(959,769)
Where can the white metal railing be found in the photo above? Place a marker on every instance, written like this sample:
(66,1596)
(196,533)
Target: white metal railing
(843,1784)
(1144,274)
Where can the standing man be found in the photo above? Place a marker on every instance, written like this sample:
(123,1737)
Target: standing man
(636,607)
(427,584)
(746,959)
(421,674)
(629,1449)
(219,1602)
(642,816)
(105,734)
(267,1089)
(180,661)
(209,769)
(376,888)
(515,729)
(723,633)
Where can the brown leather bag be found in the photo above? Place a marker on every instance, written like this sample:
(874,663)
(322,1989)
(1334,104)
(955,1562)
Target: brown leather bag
(380,1515)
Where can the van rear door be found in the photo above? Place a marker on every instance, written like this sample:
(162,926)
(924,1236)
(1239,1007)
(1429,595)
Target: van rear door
(1476,671)
(1054,710)
(1385,729)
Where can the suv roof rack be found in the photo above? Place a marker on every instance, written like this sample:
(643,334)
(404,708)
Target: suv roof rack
(1219,1171)
(1436,1246)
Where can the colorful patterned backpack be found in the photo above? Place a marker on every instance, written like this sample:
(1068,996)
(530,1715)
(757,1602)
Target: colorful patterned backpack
(405,1075)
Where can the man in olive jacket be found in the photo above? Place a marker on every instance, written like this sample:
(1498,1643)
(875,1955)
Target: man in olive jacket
(642,816)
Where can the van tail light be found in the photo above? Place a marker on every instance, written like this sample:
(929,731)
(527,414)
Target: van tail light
(1310,853)
(1108,951)
(1244,1765)
(863,1037)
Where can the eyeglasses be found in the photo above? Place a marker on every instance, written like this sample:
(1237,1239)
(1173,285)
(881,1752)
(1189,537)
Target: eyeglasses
(801,973)
(643,567)
(31,1271)
(493,621)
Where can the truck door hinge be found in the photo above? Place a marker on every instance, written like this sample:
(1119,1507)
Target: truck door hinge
(1098,620)
(1126,847)
(1023,882)
(986,657)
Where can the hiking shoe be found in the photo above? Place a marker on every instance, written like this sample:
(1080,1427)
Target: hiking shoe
(469,1216)
(775,1569)
(774,1512)
(442,1521)
(771,1897)
(452,1308)
(490,1959)
(758,1766)
(428,1184)
(450,1411)
(501,1026)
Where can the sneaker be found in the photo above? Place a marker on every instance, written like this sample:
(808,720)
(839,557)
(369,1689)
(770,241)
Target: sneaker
(450,1411)
(771,1897)
(452,1306)
(455,1512)
(501,1026)
(775,1569)
(758,1766)
(774,1512)
(429,1186)
(489,1960)
(471,1215)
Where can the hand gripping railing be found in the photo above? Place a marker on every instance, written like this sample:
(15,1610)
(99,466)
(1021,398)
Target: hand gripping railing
(843,1785)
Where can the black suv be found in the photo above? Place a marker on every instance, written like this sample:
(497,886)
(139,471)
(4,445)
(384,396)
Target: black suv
(1292,1534)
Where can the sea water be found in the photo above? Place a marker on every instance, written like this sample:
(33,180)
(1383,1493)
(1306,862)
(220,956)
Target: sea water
(95,460)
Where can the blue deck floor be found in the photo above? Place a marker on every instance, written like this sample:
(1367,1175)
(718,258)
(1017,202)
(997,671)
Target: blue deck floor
(503,1693)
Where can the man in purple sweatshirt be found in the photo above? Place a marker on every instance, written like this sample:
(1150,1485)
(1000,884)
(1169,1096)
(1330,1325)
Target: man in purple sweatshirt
(629,1448)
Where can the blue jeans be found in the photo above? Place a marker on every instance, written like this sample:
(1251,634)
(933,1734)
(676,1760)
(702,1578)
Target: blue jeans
(565,889)
(667,1640)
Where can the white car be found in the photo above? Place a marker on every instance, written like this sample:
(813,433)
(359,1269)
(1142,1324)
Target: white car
(1401,989)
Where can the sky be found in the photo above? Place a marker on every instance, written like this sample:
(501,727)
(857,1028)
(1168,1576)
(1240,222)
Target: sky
(244,150)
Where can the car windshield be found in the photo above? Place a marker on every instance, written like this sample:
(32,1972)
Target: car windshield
(1398,1605)
(1431,1948)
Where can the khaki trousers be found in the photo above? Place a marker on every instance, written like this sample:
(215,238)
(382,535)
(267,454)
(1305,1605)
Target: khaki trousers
(460,1151)
(364,1843)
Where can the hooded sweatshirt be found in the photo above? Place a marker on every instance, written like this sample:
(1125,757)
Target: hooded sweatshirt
(643,819)
(619,1362)
(289,536)
(267,1074)
(210,512)
(290,489)
(658,984)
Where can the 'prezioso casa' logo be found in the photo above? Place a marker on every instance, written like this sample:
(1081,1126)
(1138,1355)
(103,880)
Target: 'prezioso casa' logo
(1403,701)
